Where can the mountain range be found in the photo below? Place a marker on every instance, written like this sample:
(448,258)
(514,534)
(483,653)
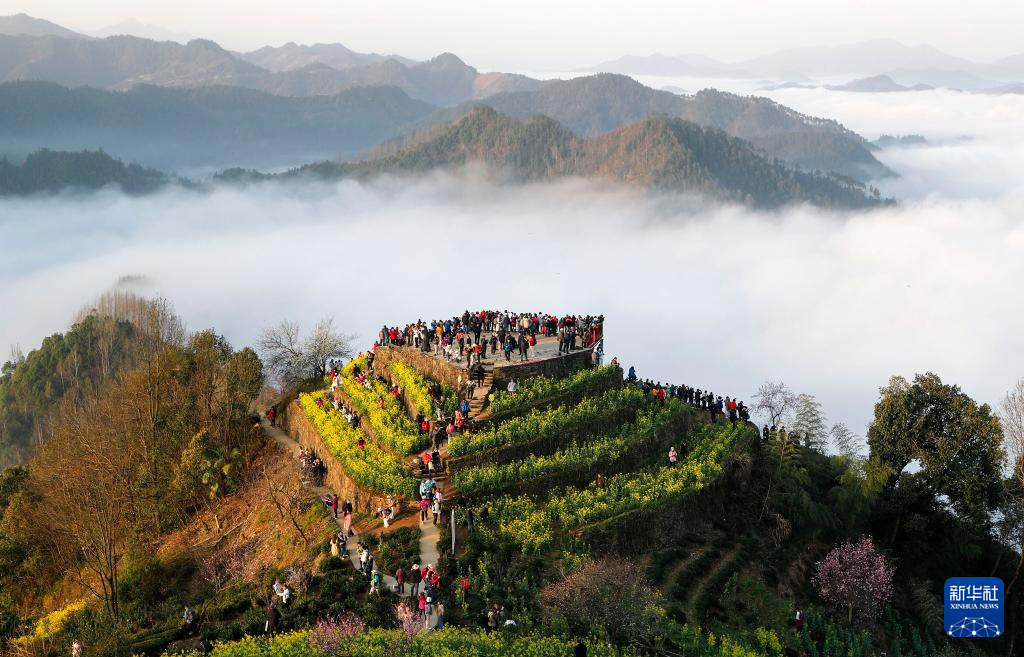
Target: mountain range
(218,126)
(292,56)
(599,103)
(137,28)
(122,62)
(658,152)
(199,107)
(907,65)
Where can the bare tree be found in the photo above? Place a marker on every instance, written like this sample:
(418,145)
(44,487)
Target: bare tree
(1013,427)
(281,351)
(17,356)
(84,484)
(1013,424)
(774,400)
(289,500)
(152,316)
(289,357)
(220,567)
(323,344)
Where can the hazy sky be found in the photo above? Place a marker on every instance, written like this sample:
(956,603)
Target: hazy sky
(542,34)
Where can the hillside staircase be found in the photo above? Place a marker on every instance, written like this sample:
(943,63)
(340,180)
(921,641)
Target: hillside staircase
(476,403)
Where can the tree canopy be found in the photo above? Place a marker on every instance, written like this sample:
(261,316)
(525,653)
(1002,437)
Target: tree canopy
(956,444)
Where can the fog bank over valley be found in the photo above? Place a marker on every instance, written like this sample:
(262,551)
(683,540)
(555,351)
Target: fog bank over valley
(713,296)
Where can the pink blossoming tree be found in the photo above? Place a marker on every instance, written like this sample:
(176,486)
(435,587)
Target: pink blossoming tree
(854,577)
(331,632)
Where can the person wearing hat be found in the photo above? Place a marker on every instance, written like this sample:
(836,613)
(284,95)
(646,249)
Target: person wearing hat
(415,576)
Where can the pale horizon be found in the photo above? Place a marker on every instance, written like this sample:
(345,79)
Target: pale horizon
(536,36)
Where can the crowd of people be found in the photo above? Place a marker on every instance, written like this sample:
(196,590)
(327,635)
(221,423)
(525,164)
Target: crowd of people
(311,467)
(425,602)
(780,432)
(345,510)
(468,337)
(717,406)
(496,617)
(431,498)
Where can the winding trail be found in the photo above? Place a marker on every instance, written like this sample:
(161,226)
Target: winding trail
(429,533)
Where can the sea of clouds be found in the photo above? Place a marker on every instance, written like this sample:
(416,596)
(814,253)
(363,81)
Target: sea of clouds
(718,297)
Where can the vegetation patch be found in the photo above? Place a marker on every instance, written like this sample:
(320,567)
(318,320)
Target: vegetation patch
(537,430)
(398,547)
(543,390)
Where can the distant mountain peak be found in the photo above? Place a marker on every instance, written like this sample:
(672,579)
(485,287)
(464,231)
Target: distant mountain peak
(448,60)
(23,24)
(136,28)
(877,84)
(204,44)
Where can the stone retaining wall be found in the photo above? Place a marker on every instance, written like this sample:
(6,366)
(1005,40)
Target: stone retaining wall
(302,430)
(557,367)
(441,371)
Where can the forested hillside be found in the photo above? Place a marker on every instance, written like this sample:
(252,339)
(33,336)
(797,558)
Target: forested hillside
(65,363)
(600,103)
(657,153)
(137,426)
(49,172)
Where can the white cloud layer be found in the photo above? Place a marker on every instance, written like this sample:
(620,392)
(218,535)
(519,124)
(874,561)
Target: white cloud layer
(717,297)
